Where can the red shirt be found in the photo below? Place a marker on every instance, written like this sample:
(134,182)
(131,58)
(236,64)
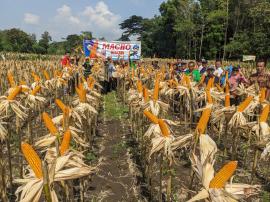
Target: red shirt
(65,61)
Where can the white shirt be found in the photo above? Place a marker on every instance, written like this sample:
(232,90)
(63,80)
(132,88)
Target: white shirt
(218,71)
(200,68)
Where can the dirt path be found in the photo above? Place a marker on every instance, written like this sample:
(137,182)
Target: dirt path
(117,175)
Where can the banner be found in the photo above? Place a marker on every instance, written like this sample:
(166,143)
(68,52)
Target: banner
(116,49)
(249,58)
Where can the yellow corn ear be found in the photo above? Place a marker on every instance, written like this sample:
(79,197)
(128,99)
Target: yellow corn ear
(139,86)
(132,73)
(156,89)
(227,95)
(33,159)
(92,84)
(23,82)
(209,97)
(187,81)
(202,124)
(49,123)
(164,128)
(210,84)
(145,94)
(262,95)
(46,75)
(36,77)
(14,93)
(35,90)
(80,86)
(151,116)
(60,104)
(202,79)
(245,104)
(65,142)
(264,114)
(82,95)
(11,79)
(223,175)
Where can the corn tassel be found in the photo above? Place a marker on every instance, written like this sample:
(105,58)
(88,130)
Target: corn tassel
(14,93)
(35,90)
(46,75)
(49,123)
(11,79)
(33,159)
(156,89)
(264,114)
(223,175)
(244,104)
(202,124)
(262,95)
(151,116)
(164,128)
(65,142)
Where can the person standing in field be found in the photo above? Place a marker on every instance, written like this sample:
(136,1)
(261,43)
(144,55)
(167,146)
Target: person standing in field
(219,70)
(111,70)
(261,77)
(87,67)
(193,72)
(235,80)
(210,74)
(65,61)
(204,67)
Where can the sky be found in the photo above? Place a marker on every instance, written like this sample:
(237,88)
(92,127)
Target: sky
(63,17)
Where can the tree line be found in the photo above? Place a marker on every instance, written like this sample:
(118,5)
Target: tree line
(223,29)
(16,40)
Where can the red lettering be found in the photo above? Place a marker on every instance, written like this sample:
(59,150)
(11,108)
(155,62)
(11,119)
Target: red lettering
(112,47)
(105,46)
(128,46)
(117,46)
(122,47)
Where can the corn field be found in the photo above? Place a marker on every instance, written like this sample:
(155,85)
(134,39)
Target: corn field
(186,142)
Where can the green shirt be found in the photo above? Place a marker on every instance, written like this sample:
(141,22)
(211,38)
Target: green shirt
(196,76)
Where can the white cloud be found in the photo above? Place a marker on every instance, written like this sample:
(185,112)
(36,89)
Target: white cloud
(98,19)
(31,19)
(101,16)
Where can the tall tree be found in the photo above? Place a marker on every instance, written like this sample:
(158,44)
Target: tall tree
(45,41)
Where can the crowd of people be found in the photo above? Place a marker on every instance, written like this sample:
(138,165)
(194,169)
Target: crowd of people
(219,72)
(195,69)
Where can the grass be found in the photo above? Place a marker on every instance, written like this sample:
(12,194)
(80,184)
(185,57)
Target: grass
(114,109)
